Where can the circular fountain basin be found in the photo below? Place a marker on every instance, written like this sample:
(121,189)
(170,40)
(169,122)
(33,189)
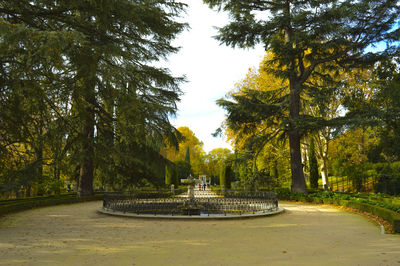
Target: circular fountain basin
(201,216)
(235,204)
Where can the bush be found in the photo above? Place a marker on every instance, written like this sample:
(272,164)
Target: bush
(171,175)
(387,184)
(7,206)
(364,202)
(49,186)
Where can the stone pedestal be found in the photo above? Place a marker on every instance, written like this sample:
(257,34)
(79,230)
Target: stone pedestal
(190,207)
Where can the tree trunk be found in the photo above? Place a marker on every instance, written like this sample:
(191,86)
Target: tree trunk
(305,158)
(87,163)
(39,166)
(28,191)
(298,182)
(324,173)
(296,166)
(105,141)
(324,164)
(87,78)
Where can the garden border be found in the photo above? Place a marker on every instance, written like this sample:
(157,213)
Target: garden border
(392,217)
(15,205)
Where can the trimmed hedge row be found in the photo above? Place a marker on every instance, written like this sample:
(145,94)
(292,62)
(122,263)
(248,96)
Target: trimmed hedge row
(7,206)
(387,200)
(391,216)
(6,201)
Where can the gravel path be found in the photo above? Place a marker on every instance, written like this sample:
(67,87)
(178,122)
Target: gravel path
(304,235)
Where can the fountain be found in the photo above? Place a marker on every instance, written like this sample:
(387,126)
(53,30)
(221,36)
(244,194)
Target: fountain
(191,182)
(190,206)
(164,204)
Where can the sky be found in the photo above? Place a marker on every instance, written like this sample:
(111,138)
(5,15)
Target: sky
(211,71)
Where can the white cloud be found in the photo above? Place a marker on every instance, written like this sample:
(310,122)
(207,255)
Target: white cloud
(211,70)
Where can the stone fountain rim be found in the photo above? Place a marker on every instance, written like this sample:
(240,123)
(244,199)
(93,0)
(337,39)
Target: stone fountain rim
(192,217)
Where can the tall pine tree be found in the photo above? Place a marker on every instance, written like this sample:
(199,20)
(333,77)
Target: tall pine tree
(107,50)
(307,38)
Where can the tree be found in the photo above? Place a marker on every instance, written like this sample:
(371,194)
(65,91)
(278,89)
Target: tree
(254,157)
(189,147)
(32,82)
(215,160)
(184,170)
(306,38)
(104,50)
(313,165)
(350,148)
(384,106)
(225,176)
(187,155)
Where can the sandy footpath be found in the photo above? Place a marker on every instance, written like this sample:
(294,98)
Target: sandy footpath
(304,235)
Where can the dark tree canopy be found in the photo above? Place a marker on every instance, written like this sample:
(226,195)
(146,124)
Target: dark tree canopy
(89,66)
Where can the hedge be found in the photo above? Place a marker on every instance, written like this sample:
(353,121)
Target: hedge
(7,206)
(391,216)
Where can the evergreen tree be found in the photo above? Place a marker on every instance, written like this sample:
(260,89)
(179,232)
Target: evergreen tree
(306,38)
(104,50)
(183,169)
(187,155)
(385,109)
(313,165)
(225,176)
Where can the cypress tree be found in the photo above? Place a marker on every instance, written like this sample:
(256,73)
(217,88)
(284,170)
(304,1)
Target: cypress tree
(313,164)
(225,176)
(187,155)
(307,38)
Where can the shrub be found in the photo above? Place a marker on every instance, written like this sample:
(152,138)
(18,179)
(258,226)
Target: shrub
(364,202)
(355,173)
(225,176)
(171,175)
(7,206)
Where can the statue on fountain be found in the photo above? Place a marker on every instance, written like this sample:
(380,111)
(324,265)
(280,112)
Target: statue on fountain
(191,182)
(190,207)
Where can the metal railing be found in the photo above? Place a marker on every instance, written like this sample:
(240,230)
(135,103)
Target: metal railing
(386,184)
(237,203)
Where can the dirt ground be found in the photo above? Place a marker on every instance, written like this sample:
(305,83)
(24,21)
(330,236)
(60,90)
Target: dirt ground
(303,235)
